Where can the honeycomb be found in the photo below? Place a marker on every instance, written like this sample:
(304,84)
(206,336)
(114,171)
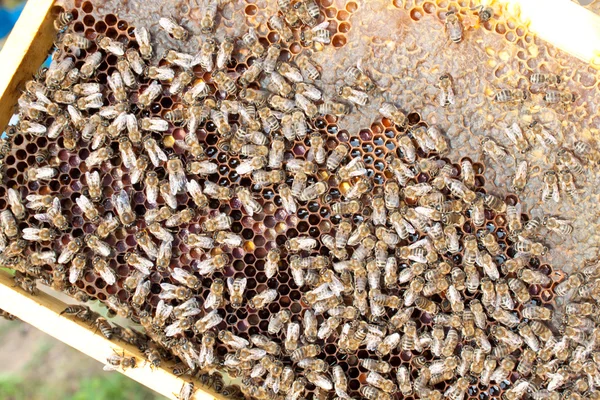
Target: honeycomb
(377,142)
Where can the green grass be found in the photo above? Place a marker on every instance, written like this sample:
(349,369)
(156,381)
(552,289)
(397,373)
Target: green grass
(111,386)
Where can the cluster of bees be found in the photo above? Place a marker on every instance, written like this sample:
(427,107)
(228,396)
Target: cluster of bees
(422,249)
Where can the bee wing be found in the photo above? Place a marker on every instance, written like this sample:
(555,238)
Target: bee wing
(84,203)
(177,181)
(92,178)
(43,217)
(74,274)
(174,329)
(230,282)
(31,233)
(109,367)
(180,275)
(14,198)
(522,169)
(141,35)
(121,201)
(163,310)
(152,194)
(142,264)
(193,187)
(555,193)
(443,98)
(108,275)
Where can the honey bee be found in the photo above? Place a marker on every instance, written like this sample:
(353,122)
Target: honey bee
(143,239)
(236,289)
(515,135)
(209,14)
(102,268)
(454,27)
(180,82)
(77,41)
(163,74)
(174,30)
(38,234)
(62,22)
(138,262)
(279,25)
(88,208)
(170,291)
(278,320)
(123,208)
(536,312)
(493,150)
(250,205)
(110,45)
(446,90)
(136,62)
(457,390)
(148,95)
(562,227)
(558,97)
(372,393)
(215,298)
(53,215)
(261,300)
(567,184)
(510,96)
(117,361)
(251,41)
(224,52)
(165,252)
(316,34)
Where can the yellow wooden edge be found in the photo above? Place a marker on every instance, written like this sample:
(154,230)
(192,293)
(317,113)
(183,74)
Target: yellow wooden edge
(24,51)
(562,23)
(43,312)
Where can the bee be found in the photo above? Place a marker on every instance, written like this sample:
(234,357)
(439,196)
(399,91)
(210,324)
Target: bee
(38,234)
(251,41)
(136,62)
(90,65)
(510,96)
(515,135)
(446,90)
(261,300)
(123,208)
(177,178)
(562,227)
(104,327)
(558,97)
(545,138)
(180,82)
(73,40)
(536,312)
(454,27)
(567,183)
(252,73)
(572,282)
(62,22)
(115,82)
(484,12)
(156,154)
(209,14)
(88,208)
(163,74)
(232,340)
(250,205)
(165,252)
(142,37)
(372,393)
(215,298)
(457,390)
(154,125)
(493,150)
(229,239)
(279,25)
(199,90)
(149,94)
(110,45)
(224,52)
(16,204)
(41,173)
(117,361)
(278,320)
(174,30)
(102,268)
(33,128)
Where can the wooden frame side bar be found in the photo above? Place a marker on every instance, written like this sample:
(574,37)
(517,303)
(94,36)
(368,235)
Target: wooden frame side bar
(24,51)
(43,312)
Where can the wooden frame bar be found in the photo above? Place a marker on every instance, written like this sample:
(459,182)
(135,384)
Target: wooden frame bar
(24,51)
(43,312)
